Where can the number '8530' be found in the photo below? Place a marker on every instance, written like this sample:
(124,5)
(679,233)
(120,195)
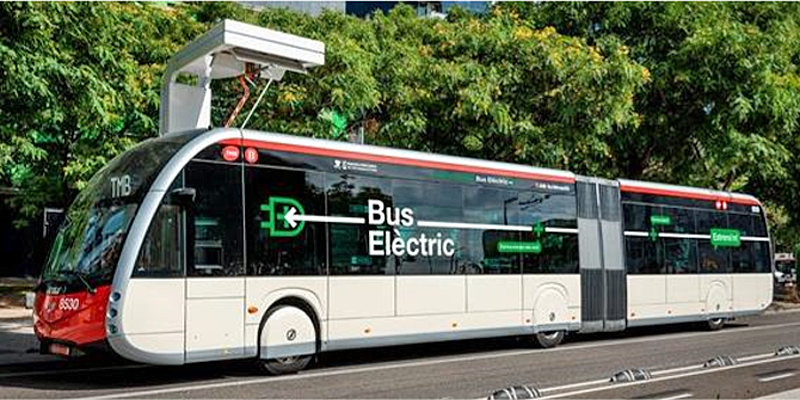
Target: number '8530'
(68,304)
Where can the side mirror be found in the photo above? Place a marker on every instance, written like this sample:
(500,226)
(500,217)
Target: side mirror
(183,196)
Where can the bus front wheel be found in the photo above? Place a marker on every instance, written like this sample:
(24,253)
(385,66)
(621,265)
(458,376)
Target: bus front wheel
(548,340)
(285,365)
(716,324)
(287,341)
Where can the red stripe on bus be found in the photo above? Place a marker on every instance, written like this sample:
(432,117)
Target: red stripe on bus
(687,195)
(392,160)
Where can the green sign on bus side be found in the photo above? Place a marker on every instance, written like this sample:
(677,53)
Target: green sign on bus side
(277,208)
(660,220)
(725,237)
(360,260)
(519,247)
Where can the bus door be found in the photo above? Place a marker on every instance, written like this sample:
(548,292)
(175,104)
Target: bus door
(215,282)
(602,267)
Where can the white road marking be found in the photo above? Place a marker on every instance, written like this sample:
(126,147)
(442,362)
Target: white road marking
(754,357)
(573,385)
(653,373)
(380,367)
(684,395)
(671,377)
(679,369)
(776,377)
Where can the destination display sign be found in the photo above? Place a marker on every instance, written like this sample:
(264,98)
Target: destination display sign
(725,237)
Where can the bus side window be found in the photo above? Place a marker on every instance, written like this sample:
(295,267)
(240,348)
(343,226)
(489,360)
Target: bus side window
(761,259)
(479,248)
(712,260)
(348,195)
(759,225)
(440,202)
(743,223)
(644,256)
(160,255)
(216,219)
(742,258)
(559,251)
(680,255)
(277,245)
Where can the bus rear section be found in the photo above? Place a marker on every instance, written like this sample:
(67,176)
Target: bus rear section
(694,254)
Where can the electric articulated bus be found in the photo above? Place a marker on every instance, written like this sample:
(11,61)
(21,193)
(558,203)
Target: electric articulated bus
(226,243)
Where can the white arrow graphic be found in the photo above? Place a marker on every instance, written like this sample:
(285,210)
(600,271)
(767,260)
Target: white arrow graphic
(292,217)
(462,225)
(490,227)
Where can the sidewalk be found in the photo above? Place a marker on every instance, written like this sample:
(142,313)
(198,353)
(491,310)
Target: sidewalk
(790,394)
(18,344)
(13,292)
(779,306)
(15,313)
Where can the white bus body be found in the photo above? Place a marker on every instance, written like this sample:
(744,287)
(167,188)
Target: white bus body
(529,251)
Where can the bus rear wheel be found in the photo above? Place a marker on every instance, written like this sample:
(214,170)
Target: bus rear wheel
(548,340)
(716,324)
(285,365)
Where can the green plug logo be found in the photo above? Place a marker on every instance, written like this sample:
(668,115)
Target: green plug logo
(284,217)
(538,229)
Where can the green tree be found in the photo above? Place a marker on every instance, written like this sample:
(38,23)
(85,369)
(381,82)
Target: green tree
(722,108)
(78,85)
(491,87)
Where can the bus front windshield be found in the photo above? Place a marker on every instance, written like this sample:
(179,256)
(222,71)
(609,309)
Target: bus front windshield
(88,245)
(86,249)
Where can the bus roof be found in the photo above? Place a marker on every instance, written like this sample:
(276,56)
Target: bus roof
(361,152)
(364,152)
(689,192)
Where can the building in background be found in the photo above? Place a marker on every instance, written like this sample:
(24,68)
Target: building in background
(312,8)
(363,9)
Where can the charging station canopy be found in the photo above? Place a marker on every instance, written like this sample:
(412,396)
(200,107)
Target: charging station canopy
(225,52)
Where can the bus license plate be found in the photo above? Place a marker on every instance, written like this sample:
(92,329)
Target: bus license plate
(59,349)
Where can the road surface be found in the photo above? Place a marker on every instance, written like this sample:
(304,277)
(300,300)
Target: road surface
(581,367)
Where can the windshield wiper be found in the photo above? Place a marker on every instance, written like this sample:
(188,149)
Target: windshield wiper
(83,280)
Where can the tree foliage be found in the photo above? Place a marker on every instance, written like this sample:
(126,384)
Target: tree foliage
(492,87)
(722,107)
(700,94)
(78,84)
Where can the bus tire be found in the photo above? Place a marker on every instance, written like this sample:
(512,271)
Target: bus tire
(548,340)
(716,324)
(291,364)
(286,365)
